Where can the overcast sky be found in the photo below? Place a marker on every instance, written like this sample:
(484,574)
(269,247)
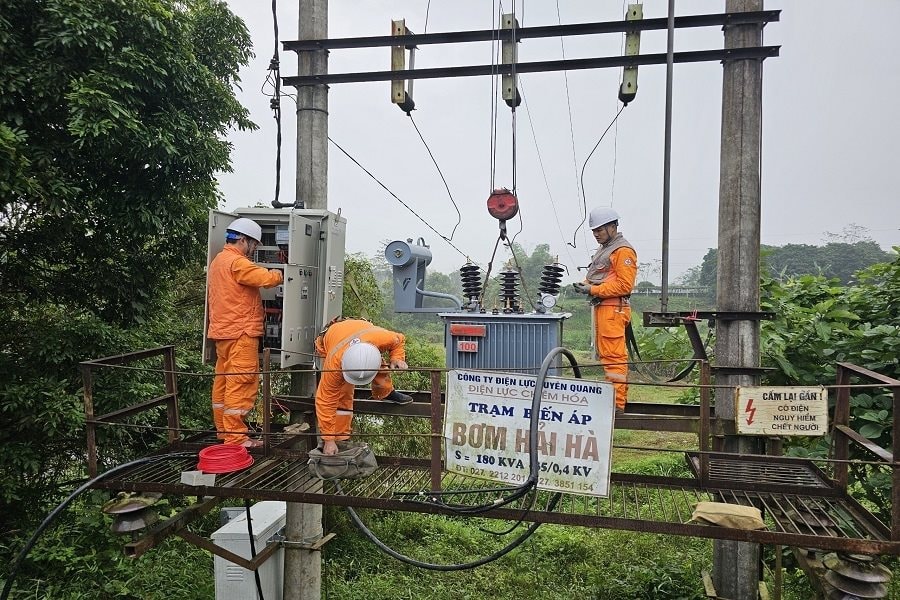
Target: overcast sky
(831,126)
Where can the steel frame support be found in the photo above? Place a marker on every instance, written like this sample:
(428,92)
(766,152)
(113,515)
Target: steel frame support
(575,64)
(487,35)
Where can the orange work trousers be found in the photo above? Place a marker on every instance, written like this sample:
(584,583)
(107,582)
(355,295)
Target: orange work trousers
(235,386)
(610,321)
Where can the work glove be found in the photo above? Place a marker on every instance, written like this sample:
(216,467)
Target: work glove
(582,288)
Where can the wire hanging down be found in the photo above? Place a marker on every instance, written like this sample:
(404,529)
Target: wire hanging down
(275,105)
(447,187)
(583,194)
(397,198)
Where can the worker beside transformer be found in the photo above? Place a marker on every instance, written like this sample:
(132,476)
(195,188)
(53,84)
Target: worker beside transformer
(608,284)
(352,355)
(236,326)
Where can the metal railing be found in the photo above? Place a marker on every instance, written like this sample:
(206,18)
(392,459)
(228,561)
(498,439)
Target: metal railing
(169,399)
(843,435)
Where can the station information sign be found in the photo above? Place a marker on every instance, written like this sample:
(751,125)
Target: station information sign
(781,411)
(486,430)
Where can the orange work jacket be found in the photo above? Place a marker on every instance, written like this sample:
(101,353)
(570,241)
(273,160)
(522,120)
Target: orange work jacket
(613,271)
(235,306)
(334,396)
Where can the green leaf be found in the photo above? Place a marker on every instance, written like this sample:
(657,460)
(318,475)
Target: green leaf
(871,431)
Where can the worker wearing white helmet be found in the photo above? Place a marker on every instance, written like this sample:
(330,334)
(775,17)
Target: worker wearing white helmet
(608,284)
(236,325)
(352,351)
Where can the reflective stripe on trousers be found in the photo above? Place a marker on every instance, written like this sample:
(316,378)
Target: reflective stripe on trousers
(610,321)
(235,386)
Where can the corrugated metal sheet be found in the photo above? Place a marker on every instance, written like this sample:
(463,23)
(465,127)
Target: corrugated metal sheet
(514,343)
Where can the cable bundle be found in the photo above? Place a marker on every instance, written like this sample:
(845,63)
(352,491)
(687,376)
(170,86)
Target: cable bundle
(224,458)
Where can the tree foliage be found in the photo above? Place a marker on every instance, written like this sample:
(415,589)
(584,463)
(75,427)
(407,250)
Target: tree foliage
(820,322)
(112,122)
(113,115)
(836,259)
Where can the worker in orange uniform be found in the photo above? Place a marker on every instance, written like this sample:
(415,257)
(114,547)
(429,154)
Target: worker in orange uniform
(236,325)
(608,284)
(352,351)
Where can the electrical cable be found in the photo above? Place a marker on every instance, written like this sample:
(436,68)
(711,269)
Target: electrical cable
(224,458)
(533,463)
(436,166)
(253,549)
(495,49)
(562,45)
(490,265)
(7,588)
(397,198)
(612,185)
(519,521)
(455,567)
(275,105)
(513,42)
(544,172)
(583,194)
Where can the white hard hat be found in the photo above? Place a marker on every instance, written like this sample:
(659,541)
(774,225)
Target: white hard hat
(360,363)
(247,227)
(601,216)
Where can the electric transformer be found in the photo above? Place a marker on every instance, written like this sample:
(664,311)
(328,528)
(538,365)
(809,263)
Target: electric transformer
(505,337)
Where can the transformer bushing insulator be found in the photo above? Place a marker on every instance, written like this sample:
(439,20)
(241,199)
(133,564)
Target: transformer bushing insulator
(470,275)
(551,277)
(509,292)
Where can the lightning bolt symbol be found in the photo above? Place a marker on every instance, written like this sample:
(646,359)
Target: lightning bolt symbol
(750,410)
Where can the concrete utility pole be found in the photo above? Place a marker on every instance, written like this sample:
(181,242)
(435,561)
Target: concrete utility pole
(303,526)
(736,565)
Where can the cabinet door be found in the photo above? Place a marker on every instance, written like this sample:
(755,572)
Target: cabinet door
(300,324)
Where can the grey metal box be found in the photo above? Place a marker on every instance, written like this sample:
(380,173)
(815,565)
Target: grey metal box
(515,343)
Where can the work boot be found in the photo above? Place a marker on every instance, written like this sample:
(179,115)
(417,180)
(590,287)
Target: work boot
(620,411)
(398,397)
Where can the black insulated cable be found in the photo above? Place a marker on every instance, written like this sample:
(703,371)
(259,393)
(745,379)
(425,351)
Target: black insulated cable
(516,492)
(253,549)
(48,520)
(454,567)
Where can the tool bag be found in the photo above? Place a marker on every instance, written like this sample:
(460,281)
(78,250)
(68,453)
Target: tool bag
(353,460)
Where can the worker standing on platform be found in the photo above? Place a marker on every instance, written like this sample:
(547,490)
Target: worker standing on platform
(608,284)
(352,351)
(236,325)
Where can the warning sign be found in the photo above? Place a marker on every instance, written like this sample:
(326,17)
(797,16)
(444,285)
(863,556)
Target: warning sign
(782,411)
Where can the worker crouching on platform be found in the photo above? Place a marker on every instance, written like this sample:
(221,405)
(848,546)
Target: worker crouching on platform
(352,351)
(236,325)
(608,284)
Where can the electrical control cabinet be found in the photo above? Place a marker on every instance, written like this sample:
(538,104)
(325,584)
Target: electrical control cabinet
(233,582)
(308,246)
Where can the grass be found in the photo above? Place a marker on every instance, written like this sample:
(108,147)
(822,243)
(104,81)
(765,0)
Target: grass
(556,562)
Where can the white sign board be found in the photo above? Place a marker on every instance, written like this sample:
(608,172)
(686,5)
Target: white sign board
(487,421)
(782,411)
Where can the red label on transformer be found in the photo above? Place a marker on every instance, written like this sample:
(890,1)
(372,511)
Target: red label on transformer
(469,329)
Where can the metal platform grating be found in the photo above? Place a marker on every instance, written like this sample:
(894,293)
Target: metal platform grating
(636,503)
(762,473)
